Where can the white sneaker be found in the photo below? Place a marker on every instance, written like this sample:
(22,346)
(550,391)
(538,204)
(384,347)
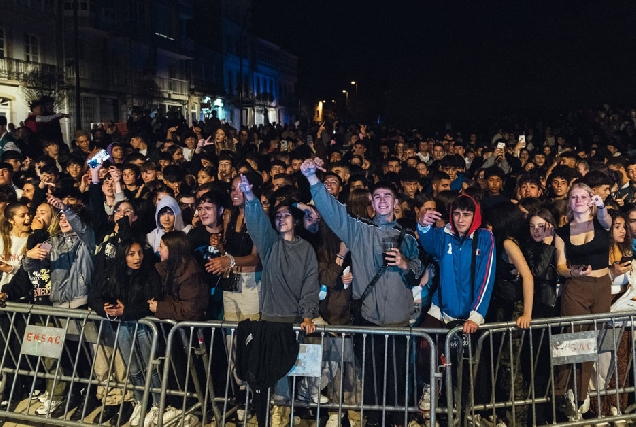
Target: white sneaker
(474,421)
(37,395)
(47,407)
(136,415)
(190,421)
(496,421)
(585,406)
(333,421)
(170,414)
(151,417)
(297,420)
(425,401)
(570,406)
(43,397)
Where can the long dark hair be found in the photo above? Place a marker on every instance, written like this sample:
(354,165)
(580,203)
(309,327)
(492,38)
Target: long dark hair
(508,222)
(120,272)
(179,253)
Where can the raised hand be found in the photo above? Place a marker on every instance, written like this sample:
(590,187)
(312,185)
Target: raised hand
(55,202)
(429,218)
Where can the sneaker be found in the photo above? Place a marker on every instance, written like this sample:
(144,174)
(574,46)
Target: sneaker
(47,407)
(36,394)
(585,406)
(333,421)
(136,415)
(297,420)
(496,421)
(85,408)
(42,397)
(170,414)
(241,414)
(425,401)
(474,420)
(190,421)
(151,416)
(570,406)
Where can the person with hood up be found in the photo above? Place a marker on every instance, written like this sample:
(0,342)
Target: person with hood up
(457,298)
(168,218)
(466,257)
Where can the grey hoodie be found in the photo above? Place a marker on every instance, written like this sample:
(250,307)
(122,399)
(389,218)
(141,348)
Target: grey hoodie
(391,301)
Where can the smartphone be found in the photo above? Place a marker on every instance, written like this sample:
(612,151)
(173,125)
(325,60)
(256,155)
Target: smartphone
(501,145)
(626,259)
(347,270)
(522,140)
(46,246)
(98,159)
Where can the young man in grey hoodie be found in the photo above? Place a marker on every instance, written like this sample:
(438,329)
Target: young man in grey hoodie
(390,301)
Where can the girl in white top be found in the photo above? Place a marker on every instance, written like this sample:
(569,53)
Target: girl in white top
(15,227)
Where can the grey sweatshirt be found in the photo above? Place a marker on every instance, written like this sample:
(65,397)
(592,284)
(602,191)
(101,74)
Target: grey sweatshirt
(289,283)
(391,301)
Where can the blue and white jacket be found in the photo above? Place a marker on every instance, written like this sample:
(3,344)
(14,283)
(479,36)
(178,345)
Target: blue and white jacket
(461,299)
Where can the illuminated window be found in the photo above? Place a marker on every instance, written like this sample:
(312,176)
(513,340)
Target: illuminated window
(2,46)
(32,48)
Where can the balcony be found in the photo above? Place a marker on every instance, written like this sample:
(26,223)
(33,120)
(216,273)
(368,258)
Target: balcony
(99,76)
(174,86)
(17,70)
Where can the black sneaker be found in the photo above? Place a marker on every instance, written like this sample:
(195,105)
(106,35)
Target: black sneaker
(85,408)
(108,412)
(126,412)
(73,402)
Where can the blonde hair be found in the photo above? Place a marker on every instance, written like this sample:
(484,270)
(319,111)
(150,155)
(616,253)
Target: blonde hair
(579,186)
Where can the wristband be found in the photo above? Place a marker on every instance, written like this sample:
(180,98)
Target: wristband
(232,261)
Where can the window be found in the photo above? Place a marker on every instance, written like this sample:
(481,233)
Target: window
(83,5)
(32,48)
(2,46)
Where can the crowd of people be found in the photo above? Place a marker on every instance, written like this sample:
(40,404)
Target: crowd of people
(330,223)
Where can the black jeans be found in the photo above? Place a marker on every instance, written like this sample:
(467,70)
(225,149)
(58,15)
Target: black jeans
(371,355)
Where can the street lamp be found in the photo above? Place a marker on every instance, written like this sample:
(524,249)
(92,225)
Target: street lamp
(356,85)
(346,106)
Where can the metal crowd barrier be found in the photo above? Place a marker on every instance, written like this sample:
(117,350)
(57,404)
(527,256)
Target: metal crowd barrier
(503,375)
(500,375)
(73,357)
(203,355)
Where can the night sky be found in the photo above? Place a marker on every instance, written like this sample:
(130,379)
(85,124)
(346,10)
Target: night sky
(419,61)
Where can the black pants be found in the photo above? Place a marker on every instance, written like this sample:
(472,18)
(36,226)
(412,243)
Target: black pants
(371,355)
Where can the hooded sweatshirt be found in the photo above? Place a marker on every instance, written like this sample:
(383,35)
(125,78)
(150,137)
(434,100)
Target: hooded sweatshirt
(154,237)
(457,298)
(390,303)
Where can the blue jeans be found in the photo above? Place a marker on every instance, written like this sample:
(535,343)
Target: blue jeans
(137,339)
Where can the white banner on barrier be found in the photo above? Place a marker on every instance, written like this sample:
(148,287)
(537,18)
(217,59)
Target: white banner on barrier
(574,347)
(43,341)
(308,362)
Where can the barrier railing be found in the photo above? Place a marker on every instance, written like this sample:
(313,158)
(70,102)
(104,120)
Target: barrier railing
(506,376)
(61,367)
(366,372)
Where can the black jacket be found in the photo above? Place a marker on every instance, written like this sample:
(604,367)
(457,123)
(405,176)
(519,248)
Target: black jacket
(142,285)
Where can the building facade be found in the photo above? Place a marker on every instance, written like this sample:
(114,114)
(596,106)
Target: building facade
(187,57)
